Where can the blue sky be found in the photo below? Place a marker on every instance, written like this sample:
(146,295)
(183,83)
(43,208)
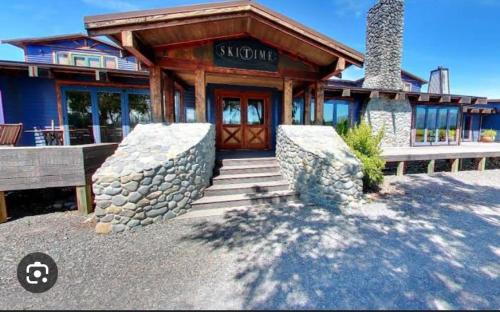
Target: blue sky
(463,35)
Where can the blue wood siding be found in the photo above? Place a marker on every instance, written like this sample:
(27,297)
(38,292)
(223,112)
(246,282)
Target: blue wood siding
(31,101)
(416,86)
(37,53)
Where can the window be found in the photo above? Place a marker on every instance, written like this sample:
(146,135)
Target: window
(177,106)
(139,106)
(436,124)
(407,86)
(86,60)
(79,109)
(110,62)
(231,114)
(335,111)
(298,110)
(110,117)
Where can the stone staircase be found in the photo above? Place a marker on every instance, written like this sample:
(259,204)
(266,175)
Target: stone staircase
(245,180)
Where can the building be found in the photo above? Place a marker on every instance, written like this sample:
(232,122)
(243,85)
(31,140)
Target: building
(477,118)
(238,65)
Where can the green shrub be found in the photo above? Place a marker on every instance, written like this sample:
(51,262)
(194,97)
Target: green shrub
(366,147)
(342,127)
(490,132)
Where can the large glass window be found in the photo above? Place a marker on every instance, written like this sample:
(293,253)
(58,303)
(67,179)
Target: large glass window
(139,106)
(110,117)
(335,111)
(79,108)
(435,125)
(232,111)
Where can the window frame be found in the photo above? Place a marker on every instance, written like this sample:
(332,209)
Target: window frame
(350,102)
(87,56)
(437,107)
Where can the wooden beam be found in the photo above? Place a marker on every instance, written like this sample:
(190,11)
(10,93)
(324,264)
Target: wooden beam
(401,168)
(156,92)
(423,97)
(346,92)
(400,96)
(169,96)
(334,69)
(319,99)
(455,164)
(287,101)
(374,94)
(33,71)
(480,101)
(445,99)
(84,199)
(481,165)
(430,166)
(3,208)
(307,105)
(465,100)
(200,95)
(134,46)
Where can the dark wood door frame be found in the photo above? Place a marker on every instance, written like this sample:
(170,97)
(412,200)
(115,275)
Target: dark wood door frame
(247,131)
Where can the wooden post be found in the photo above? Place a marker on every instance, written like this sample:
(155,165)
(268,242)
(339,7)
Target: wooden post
(481,166)
(156,92)
(430,166)
(401,168)
(3,208)
(455,164)
(287,101)
(318,101)
(200,94)
(307,106)
(84,199)
(169,95)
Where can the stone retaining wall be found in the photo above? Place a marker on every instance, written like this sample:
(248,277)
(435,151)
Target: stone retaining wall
(155,174)
(319,165)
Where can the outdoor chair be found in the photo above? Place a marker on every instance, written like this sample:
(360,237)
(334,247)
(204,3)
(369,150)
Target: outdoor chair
(10,134)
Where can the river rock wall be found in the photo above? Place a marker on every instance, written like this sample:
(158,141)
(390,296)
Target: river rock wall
(319,165)
(155,174)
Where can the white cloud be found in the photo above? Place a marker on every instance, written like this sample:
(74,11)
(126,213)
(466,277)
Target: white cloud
(356,8)
(114,5)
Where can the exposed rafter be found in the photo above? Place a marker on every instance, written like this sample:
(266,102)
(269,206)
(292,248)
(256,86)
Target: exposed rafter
(134,46)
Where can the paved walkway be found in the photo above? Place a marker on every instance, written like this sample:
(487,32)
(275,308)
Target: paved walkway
(430,242)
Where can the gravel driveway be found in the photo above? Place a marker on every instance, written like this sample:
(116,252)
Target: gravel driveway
(428,242)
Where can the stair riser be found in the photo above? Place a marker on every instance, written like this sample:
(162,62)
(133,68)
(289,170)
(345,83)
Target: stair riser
(245,190)
(247,180)
(245,202)
(248,162)
(224,171)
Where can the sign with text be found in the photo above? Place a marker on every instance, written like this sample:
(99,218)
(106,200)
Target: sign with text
(245,54)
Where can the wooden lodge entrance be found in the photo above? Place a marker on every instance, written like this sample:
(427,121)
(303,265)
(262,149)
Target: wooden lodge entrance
(243,120)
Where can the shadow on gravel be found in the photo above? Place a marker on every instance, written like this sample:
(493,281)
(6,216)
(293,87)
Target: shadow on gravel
(422,250)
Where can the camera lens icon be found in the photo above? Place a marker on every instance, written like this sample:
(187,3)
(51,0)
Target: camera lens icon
(37,272)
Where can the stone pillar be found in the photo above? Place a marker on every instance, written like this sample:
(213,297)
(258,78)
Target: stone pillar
(384,45)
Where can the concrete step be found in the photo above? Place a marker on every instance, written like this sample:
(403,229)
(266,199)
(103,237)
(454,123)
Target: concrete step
(249,168)
(249,161)
(225,201)
(247,178)
(248,188)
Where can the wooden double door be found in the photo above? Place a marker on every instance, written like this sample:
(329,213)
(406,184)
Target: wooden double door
(243,119)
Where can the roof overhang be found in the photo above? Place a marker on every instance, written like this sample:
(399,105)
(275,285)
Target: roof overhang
(144,31)
(416,97)
(22,42)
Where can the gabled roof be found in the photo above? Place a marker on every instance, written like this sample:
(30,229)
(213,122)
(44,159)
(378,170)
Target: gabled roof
(222,20)
(22,42)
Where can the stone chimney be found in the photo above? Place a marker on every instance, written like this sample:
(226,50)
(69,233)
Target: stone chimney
(384,45)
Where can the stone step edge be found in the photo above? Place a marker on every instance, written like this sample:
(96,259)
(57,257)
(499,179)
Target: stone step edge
(210,212)
(217,187)
(247,159)
(247,175)
(244,196)
(249,167)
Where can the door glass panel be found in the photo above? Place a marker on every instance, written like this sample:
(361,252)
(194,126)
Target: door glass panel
(255,112)
(79,107)
(342,112)
(431,125)
(467,127)
(110,117)
(420,125)
(452,124)
(442,124)
(231,114)
(139,109)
